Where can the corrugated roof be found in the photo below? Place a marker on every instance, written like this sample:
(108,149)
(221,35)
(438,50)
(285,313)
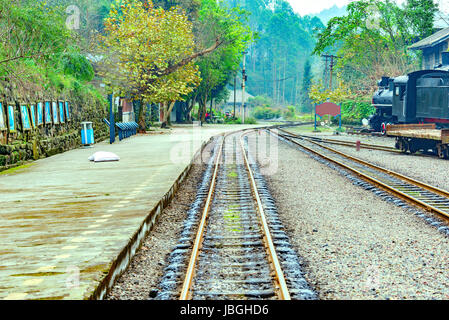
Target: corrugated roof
(431,41)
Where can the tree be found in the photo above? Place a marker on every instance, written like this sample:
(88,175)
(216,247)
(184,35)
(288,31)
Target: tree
(422,15)
(306,105)
(216,21)
(149,54)
(275,61)
(372,39)
(75,64)
(32,39)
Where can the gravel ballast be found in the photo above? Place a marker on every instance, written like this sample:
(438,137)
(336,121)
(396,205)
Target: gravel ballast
(431,170)
(354,245)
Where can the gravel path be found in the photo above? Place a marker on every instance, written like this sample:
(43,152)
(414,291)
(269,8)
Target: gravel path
(146,269)
(355,245)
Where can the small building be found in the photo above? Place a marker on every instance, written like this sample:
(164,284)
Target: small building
(434,49)
(238,98)
(127,111)
(229,106)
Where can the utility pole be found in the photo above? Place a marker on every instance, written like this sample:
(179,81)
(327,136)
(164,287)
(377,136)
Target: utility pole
(325,69)
(332,69)
(329,58)
(244,77)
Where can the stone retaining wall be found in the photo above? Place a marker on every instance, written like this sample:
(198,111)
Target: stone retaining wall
(49,139)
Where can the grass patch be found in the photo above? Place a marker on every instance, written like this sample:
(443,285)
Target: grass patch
(16,170)
(232,174)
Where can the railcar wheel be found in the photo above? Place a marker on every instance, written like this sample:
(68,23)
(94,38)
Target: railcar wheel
(401,144)
(443,151)
(412,148)
(406,145)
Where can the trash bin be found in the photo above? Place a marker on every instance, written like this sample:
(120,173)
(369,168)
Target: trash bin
(87,133)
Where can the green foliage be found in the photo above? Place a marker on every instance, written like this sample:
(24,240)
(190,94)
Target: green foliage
(258,101)
(31,33)
(354,111)
(34,54)
(217,68)
(306,104)
(92,15)
(233,121)
(421,15)
(373,38)
(266,113)
(76,65)
(289,113)
(250,120)
(276,60)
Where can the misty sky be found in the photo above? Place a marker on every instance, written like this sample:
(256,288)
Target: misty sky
(304,7)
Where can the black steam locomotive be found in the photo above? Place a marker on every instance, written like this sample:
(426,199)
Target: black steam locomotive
(419,97)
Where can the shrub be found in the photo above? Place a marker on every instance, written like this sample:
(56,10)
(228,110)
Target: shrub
(250,120)
(354,111)
(233,121)
(76,65)
(266,113)
(289,113)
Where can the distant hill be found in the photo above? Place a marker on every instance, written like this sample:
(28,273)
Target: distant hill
(328,14)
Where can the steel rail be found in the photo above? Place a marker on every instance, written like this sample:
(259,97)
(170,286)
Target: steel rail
(185,292)
(279,274)
(377,182)
(387,171)
(346,143)
(362,145)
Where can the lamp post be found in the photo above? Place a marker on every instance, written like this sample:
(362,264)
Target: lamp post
(111,119)
(244,77)
(235,86)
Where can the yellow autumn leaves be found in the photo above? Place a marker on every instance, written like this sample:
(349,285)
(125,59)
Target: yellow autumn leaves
(139,44)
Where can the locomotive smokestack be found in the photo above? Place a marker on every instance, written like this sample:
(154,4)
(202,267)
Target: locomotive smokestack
(384,82)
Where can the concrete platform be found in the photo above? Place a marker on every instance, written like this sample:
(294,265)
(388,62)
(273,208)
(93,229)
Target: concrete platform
(66,222)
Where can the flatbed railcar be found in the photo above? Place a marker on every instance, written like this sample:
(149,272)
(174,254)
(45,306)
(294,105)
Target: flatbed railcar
(420,137)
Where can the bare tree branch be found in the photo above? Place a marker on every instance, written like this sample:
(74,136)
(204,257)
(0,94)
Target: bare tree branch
(183,62)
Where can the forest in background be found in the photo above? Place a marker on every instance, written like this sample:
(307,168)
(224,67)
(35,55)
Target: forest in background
(283,51)
(371,41)
(58,46)
(275,62)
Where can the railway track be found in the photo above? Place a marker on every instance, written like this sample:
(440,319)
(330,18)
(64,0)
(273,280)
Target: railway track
(425,196)
(352,144)
(238,252)
(362,132)
(343,142)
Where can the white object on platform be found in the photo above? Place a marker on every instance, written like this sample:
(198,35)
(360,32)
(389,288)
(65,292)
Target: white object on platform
(102,156)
